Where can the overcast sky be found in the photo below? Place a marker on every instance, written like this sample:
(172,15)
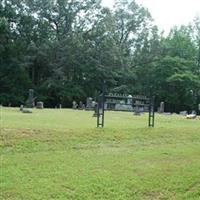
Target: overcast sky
(168,13)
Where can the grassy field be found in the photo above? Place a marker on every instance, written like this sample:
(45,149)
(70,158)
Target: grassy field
(59,154)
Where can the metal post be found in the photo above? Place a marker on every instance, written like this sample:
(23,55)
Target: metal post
(101,109)
(151,112)
(98,116)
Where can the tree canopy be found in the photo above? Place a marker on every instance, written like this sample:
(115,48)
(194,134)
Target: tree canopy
(64,49)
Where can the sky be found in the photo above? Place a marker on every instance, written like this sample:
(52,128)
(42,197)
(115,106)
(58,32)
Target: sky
(168,13)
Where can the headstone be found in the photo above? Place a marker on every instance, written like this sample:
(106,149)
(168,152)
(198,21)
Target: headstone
(136,111)
(95,110)
(183,113)
(137,107)
(162,107)
(27,110)
(194,112)
(74,105)
(89,103)
(30,102)
(40,105)
(80,105)
(123,107)
(83,106)
(94,104)
(167,113)
(130,100)
(192,116)
(21,108)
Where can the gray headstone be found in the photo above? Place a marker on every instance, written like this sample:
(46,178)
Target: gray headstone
(27,110)
(191,116)
(136,110)
(94,104)
(83,106)
(30,102)
(40,105)
(21,108)
(162,107)
(167,113)
(80,105)
(130,100)
(184,113)
(137,107)
(194,112)
(74,105)
(89,105)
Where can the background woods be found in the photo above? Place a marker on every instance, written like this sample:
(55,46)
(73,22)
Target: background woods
(64,49)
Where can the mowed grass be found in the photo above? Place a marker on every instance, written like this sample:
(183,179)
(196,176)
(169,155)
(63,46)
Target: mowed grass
(60,154)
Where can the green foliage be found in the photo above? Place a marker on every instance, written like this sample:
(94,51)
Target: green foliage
(66,49)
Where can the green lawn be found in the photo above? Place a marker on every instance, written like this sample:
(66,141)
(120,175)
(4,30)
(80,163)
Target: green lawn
(59,154)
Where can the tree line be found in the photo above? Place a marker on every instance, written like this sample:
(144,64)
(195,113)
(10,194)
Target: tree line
(66,49)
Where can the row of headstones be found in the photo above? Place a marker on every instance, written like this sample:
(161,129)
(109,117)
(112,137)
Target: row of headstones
(30,103)
(184,113)
(90,104)
(161,109)
(28,109)
(80,106)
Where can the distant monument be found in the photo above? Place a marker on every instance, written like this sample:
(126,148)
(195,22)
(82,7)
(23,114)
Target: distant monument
(30,103)
(130,100)
(21,108)
(74,105)
(183,113)
(89,105)
(137,107)
(162,107)
(80,107)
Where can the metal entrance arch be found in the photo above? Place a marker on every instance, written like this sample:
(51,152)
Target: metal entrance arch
(148,102)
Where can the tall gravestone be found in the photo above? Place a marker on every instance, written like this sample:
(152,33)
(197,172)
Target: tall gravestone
(137,108)
(80,107)
(162,107)
(31,100)
(130,100)
(74,105)
(89,103)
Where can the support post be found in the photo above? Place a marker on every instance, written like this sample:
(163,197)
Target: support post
(100,111)
(101,108)
(151,112)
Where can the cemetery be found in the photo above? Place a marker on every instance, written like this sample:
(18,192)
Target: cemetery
(97,148)
(60,154)
(99,100)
